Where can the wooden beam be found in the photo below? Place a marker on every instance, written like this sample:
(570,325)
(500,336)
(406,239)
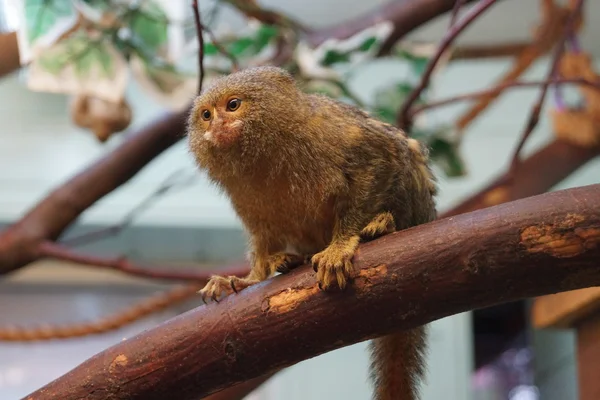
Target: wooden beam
(564,310)
(588,358)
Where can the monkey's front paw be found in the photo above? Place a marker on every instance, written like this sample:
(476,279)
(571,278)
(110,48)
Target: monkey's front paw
(284,262)
(218,285)
(333,263)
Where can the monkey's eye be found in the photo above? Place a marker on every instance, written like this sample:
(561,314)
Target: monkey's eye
(206,114)
(233,104)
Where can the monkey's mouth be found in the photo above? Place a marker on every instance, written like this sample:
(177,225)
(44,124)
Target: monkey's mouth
(224,134)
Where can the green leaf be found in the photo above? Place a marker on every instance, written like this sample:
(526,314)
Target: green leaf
(263,36)
(389,100)
(210,49)
(106,61)
(333,56)
(368,44)
(99,4)
(149,24)
(445,153)
(385,114)
(41,15)
(94,56)
(52,63)
(82,53)
(240,45)
(417,64)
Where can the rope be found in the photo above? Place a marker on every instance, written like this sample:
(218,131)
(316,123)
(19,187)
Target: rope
(151,304)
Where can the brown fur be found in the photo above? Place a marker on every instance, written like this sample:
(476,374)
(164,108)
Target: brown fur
(311,177)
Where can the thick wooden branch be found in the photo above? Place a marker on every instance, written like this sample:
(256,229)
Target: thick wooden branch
(535,246)
(404,14)
(537,174)
(48,219)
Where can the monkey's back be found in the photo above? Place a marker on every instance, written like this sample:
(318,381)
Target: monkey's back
(381,163)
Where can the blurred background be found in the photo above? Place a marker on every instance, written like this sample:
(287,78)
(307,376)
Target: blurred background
(150,70)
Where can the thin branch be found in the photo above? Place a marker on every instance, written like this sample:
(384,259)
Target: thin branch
(199,28)
(234,62)
(253,10)
(488,51)
(539,104)
(403,119)
(499,89)
(59,209)
(173,181)
(404,15)
(547,34)
(52,250)
(401,281)
(458,4)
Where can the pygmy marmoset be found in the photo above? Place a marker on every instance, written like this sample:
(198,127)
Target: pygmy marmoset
(310,177)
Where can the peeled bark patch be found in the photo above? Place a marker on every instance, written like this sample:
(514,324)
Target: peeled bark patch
(568,237)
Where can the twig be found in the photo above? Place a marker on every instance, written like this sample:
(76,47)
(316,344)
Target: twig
(403,119)
(253,10)
(53,250)
(534,116)
(199,27)
(168,184)
(500,88)
(147,306)
(455,11)
(511,49)
(234,62)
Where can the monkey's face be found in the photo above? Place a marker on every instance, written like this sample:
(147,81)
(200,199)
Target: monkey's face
(221,122)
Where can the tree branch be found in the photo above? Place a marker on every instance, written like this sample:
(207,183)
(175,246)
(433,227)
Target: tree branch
(538,174)
(534,116)
(499,89)
(403,120)
(406,15)
(49,218)
(52,250)
(401,281)
(199,29)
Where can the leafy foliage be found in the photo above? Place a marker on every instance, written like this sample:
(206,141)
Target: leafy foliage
(142,31)
(42,15)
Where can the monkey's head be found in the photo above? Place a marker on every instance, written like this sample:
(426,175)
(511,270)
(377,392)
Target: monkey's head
(241,114)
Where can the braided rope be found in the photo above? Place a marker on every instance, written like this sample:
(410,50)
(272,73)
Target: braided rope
(149,305)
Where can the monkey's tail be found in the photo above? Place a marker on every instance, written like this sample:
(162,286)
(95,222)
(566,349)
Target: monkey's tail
(398,364)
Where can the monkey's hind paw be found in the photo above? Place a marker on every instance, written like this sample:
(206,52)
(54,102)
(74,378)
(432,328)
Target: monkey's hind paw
(334,263)
(284,263)
(381,225)
(218,285)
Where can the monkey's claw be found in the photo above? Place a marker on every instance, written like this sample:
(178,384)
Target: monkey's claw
(333,264)
(219,285)
(283,262)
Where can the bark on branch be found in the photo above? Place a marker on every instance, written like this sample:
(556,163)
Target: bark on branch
(531,247)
